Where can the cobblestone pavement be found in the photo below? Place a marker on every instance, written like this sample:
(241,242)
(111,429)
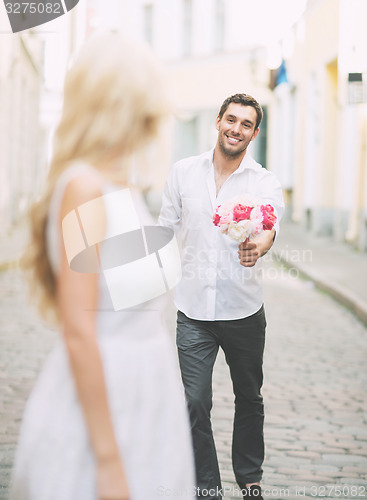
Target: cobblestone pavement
(314,389)
(315,381)
(24,342)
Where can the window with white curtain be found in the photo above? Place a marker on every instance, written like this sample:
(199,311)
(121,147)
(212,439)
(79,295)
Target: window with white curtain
(187,28)
(148,23)
(219,25)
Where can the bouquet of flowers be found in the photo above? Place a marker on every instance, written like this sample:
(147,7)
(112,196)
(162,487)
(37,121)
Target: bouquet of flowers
(244,217)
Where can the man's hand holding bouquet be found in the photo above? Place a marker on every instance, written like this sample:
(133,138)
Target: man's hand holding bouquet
(246,220)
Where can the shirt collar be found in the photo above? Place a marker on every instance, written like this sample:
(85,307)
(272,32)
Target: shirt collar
(247,161)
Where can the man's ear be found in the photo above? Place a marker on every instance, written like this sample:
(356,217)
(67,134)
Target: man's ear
(255,134)
(217,122)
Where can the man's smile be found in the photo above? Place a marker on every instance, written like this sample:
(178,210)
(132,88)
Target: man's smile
(232,140)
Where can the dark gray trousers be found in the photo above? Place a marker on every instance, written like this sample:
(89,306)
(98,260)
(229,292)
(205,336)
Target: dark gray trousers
(243,342)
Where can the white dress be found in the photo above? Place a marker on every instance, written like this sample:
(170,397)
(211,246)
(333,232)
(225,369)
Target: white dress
(54,459)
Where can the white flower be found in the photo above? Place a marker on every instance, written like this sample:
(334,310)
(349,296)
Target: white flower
(240,231)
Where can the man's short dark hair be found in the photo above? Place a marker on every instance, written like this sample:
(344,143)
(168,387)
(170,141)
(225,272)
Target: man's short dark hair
(245,100)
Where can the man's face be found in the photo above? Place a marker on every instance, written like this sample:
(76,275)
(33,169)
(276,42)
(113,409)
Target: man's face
(236,129)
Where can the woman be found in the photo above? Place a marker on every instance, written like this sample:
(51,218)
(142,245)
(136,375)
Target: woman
(107,418)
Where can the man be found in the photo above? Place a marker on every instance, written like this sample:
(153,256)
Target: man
(219,298)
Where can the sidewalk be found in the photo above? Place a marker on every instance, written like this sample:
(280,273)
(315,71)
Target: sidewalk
(336,268)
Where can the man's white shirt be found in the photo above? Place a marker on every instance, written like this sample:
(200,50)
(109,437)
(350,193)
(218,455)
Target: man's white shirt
(214,285)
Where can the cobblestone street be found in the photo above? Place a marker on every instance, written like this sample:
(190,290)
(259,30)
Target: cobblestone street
(24,343)
(314,392)
(247,118)
(314,389)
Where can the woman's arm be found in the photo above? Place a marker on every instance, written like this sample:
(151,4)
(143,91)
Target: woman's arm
(78,301)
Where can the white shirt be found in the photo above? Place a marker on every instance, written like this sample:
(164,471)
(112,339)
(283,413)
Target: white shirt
(214,285)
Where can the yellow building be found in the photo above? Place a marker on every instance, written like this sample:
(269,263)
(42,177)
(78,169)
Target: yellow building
(32,69)
(21,61)
(318,123)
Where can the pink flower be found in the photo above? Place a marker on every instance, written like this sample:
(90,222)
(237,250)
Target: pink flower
(269,217)
(241,212)
(257,218)
(244,217)
(225,221)
(216,219)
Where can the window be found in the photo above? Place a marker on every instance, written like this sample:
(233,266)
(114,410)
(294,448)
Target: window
(259,147)
(148,23)
(186,138)
(187,27)
(219,25)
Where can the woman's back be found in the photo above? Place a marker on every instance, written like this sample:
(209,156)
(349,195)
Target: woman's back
(142,380)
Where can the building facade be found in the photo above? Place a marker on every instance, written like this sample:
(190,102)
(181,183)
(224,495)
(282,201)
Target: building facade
(318,125)
(210,50)
(32,69)
(21,74)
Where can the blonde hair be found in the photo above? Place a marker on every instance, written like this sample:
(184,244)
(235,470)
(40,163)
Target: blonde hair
(114,105)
